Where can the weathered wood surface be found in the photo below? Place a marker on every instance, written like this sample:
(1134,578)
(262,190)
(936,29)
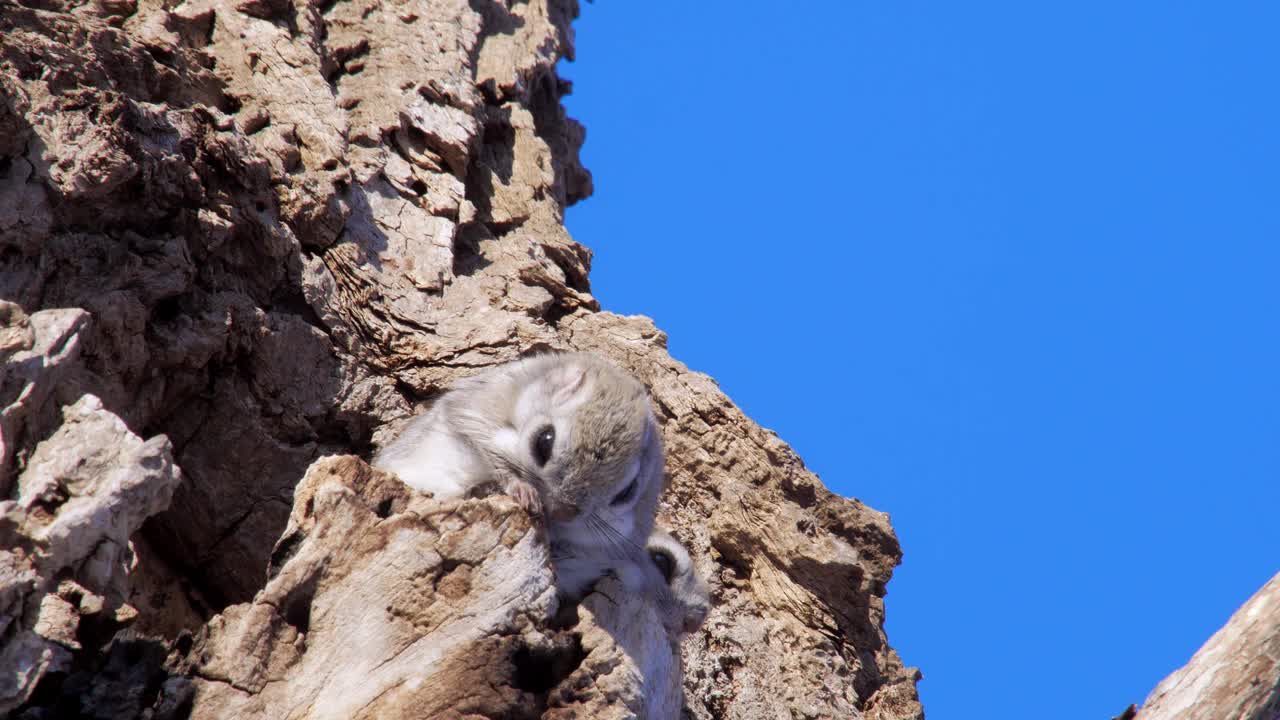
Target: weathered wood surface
(262,232)
(1234,676)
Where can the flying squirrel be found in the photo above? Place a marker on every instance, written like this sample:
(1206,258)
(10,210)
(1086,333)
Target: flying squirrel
(568,435)
(682,595)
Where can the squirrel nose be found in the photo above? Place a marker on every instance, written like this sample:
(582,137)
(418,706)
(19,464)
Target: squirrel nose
(564,512)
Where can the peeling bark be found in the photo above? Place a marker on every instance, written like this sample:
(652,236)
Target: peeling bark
(391,604)
(263,232)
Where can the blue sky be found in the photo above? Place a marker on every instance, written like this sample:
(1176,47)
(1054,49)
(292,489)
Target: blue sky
(1007,271)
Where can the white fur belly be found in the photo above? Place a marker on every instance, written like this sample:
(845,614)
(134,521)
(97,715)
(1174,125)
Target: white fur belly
(437,463)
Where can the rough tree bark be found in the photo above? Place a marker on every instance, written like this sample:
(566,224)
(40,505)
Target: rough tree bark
(237,236)
(1234,676)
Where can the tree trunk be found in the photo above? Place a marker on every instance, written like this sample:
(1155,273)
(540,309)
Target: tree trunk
(239,236)
(1234,676)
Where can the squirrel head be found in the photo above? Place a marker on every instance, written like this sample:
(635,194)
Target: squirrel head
(688,602)
(582,432)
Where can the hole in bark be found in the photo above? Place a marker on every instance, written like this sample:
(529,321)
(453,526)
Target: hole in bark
(284,550)
(384,509)
(556,313)
(184,642)
(299,615)
(160,55)
(297,605)
(230,105)
(73,597)
(166,310)
(538,669)
(502,228)
(51,500)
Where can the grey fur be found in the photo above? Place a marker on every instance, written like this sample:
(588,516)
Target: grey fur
(479,433)
(683,598)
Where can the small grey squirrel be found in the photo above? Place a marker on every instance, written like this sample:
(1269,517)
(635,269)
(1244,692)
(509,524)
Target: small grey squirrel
(568,435)
(683,596)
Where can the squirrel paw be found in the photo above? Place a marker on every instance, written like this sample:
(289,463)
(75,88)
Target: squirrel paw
(526,495)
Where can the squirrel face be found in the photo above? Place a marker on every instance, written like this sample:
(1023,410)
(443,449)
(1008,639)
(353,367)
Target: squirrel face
(689,600)
(568,435)
(582,433)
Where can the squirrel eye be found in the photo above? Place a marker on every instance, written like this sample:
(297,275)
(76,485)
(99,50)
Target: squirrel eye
(666,564)
(626,493)
(543,441)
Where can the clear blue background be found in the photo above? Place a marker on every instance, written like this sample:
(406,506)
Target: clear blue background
(1007,271)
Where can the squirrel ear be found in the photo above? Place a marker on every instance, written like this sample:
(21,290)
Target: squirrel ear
(566,382)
